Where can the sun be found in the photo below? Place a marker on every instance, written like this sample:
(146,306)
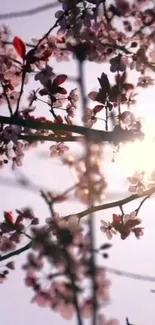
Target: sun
(139,155)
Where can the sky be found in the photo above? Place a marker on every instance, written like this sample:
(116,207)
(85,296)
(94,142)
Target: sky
(129,298)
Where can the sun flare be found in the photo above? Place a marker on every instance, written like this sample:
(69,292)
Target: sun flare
(139,155)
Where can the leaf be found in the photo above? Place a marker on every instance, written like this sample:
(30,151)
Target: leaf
(10,265)
(43,92)
(19,219)
(35,221)
(19,46)
(59,119)
(60,79)
(116,218)
(61,90)
(93,95)
(97,108)
(104,83)
(132,223)
(105,246)
(9,218)
(125,234)
(101,96)
(41,119)
(128,86)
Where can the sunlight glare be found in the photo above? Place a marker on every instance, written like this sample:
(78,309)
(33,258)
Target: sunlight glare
(139,155)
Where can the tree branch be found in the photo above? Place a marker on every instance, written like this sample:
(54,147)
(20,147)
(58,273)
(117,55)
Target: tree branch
(16,252)
(91,134)
(127,321)
(130,275)
(29,12)
(50,137)
(56,23)
(113,204)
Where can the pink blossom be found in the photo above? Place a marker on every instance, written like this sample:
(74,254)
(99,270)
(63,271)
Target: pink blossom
(65,310)
(107,228)
(73,97)
(43,299)
(6,245)
(13,97)
(87,309)
(145,81)
(89,118)
(14,76)
(58,149)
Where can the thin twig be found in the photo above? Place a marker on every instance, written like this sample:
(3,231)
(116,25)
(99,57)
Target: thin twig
(130,275)
(70,274)
(21,91)
(142,202)
(16,252)
(56,24)
(127,321)
(70,189)
(10,43)
(113,204)
(7,99)
(29,12)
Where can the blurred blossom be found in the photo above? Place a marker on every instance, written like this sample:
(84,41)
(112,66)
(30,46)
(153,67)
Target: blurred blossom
(58,149)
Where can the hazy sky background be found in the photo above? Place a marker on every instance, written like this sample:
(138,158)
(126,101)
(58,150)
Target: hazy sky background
(128,297)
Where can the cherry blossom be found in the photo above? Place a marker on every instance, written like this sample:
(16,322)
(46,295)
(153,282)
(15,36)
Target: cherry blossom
(58,150)
(145,81)
(107,228)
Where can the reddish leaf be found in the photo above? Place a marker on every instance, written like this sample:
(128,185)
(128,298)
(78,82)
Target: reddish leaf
(20,47)
(132,223)
(97,108)
(128,86)
(60,79)
(60,198)
(60,39)
(116,218)
(9,217)
(61,90)
(41,119)
(59,119)
(46,54)
(93,95)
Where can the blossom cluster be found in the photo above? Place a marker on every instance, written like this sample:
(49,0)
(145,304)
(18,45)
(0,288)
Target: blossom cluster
(62,254)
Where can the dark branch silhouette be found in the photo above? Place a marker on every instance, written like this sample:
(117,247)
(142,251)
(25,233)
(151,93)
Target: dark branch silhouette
(29,12)
(91,134)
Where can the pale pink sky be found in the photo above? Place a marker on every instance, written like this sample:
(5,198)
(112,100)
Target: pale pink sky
(129,297)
